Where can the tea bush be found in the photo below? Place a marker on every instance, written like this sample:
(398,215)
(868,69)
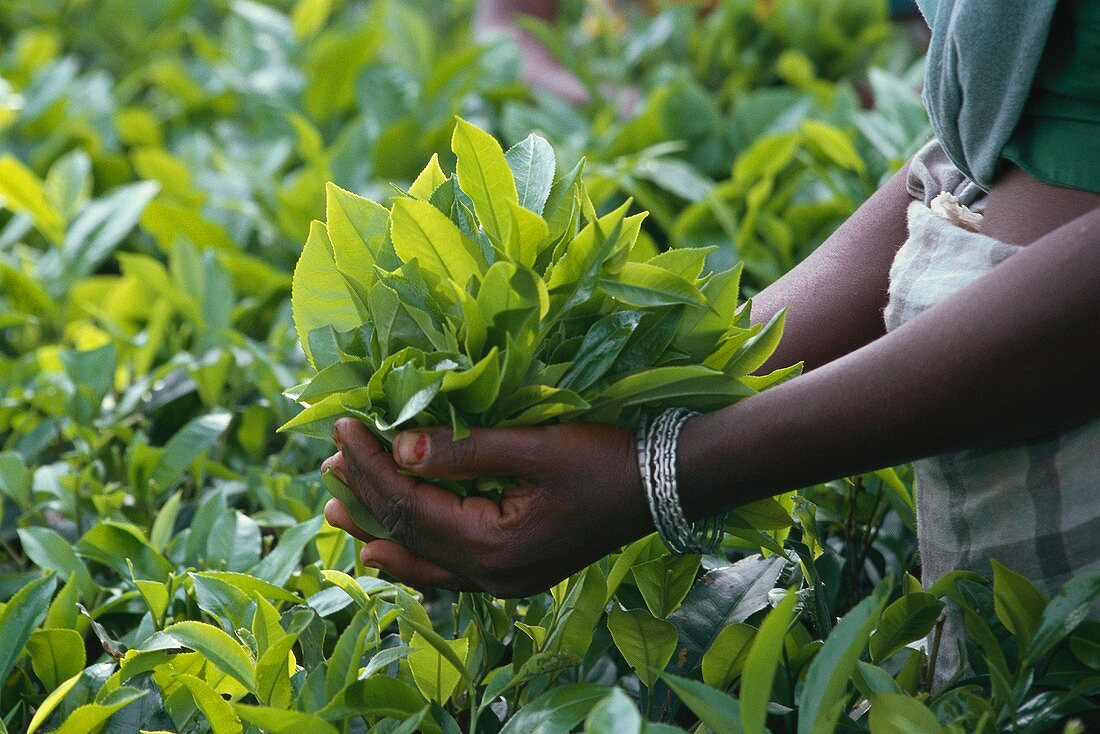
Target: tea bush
(163,562)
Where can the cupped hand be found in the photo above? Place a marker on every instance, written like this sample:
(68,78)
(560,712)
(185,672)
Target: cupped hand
(577,498)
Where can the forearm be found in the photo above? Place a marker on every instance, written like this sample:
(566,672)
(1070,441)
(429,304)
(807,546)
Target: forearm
(835,297)
(1012,357)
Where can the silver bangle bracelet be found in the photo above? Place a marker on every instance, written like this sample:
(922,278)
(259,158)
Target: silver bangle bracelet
(656,444)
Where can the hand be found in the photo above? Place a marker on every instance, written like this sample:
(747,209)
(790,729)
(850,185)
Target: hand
(578,497)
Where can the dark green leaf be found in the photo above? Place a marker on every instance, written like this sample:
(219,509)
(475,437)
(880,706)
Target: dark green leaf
(19,618)
(1017,603)
(183,448)
(717,710)
(908,619)
(278,565)
(831,669)
(558,710)
(1066,611)
(601,346)
(724,596)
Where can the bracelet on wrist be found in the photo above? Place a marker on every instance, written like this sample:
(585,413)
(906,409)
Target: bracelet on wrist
(656,443)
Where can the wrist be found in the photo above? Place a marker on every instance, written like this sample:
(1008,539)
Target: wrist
(657,443)
(636,510)
(606,499)
(701,493)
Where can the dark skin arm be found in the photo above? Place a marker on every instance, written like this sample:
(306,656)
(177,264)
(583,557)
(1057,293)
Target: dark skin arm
(1009,359)
(1019,342)
(834,298)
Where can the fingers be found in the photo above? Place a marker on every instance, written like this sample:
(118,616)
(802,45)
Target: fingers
(396,560)
(339,517)
(335,464)
(433,452)
(427,519)
(405,566)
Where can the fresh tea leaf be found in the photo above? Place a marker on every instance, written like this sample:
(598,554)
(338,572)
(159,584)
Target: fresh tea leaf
(484,174)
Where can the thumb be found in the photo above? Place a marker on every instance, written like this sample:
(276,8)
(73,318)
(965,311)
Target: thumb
(431,451)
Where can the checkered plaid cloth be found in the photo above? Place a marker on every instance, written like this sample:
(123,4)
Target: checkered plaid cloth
(1034,507)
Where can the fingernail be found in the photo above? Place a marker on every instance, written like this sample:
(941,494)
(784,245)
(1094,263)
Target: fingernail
(336,437)
(368,562)
(410,448)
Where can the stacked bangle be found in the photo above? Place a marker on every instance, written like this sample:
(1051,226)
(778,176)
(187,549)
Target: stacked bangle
(656,443)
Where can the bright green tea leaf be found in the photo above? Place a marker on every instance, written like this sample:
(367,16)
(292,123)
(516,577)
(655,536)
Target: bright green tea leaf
(483,173)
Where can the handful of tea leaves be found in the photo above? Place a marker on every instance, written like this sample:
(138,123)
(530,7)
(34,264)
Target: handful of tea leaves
(496,296)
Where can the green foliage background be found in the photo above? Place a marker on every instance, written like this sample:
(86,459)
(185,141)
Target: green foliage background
(164,565)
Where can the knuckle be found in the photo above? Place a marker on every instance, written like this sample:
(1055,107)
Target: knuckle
(359,480)
(462,453)
(395,516)
(333,517)
(512,525)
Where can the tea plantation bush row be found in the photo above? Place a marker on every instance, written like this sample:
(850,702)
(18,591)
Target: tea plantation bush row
(163,562)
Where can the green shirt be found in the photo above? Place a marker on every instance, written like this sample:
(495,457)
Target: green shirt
(1058,136)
